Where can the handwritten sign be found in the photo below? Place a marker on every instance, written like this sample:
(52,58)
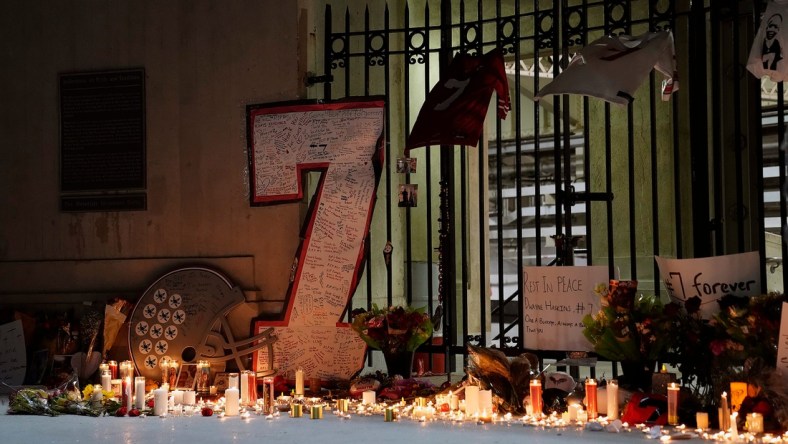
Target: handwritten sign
(782,343)
(344,142)
(711,278)
(13,356)
(555,301)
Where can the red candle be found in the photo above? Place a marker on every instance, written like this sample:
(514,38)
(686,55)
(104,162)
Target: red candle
(536,397)
(591,398)
(126,393)
(113,369)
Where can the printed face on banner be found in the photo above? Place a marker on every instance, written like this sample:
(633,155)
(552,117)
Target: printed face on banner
(343,141)
(711,278)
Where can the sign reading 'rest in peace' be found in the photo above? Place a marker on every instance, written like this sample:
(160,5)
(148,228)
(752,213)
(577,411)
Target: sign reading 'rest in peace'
(554,303)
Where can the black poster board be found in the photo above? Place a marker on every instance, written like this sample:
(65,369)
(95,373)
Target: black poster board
(102,131)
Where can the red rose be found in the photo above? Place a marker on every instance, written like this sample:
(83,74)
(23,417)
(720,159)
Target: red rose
(121,411)
(134,412)
(206,411)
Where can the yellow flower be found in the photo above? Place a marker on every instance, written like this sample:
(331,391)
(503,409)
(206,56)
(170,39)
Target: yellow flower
(87,391)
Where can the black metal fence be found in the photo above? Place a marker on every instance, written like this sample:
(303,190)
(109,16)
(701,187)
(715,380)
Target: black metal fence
(699,175)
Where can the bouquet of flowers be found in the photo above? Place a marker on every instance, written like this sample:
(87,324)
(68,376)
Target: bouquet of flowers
(629,327)
(394,329)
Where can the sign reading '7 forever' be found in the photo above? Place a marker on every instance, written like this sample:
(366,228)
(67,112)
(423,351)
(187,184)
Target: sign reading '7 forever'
(344,142)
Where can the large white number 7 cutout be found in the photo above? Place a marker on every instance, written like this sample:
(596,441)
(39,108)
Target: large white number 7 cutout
(344,141)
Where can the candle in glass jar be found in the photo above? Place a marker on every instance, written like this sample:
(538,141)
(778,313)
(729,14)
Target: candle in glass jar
(725,414)
(612,399)
(113,369)
(299,382)
(160,401)
(126,399)
(244,387)
(189,397)
(454,401)
(231,401)
(173,373)
(317,412)
(104,367)
(106,380)
(702,420)
(296,410)
(536,397)
(485,401)
(232,381)
(591,398)
(755,423)
(368,397)
(673,404)
(139,392)
(203,374)
(126,370)
(177,397)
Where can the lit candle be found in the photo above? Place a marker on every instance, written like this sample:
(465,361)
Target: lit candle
(160,401)
(485,401)
(104,367)
(573,410)
(673,404)
(299,388)
(113,369)
(203,373)
(368,397)
(126,399)
(591,398)
(725,415)
(232,381)
(471,400)
(755,423)
(454,401)
(245,387)
(231,401)
(139,392)
(189,397)
(106,380)
(342,405)
(734,426)
(177,396)
(173,374)
(536,397)
(165,372)
(484,416)
(212,390)
(126,370)
(702,420)
(612,399)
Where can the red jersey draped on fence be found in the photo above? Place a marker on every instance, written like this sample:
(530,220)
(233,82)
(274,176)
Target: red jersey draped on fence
(613,67)
(455,108)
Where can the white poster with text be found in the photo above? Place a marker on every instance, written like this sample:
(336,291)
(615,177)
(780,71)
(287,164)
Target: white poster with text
(711,278)
(556,300)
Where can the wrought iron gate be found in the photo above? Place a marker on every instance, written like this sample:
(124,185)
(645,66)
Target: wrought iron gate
(702,174)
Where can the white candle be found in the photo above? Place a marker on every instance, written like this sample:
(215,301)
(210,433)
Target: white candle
(612,400)
(702,420)
(244,389)
(160,401)
(177,396)
(573,410)
(755,423)
(734,426)
(471,400)
(139,392)
(106,381)
(233,381)
(189,397)
(97,394)
(485,401)
(368,397)
(231,401)
(299,388)
(454,401)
